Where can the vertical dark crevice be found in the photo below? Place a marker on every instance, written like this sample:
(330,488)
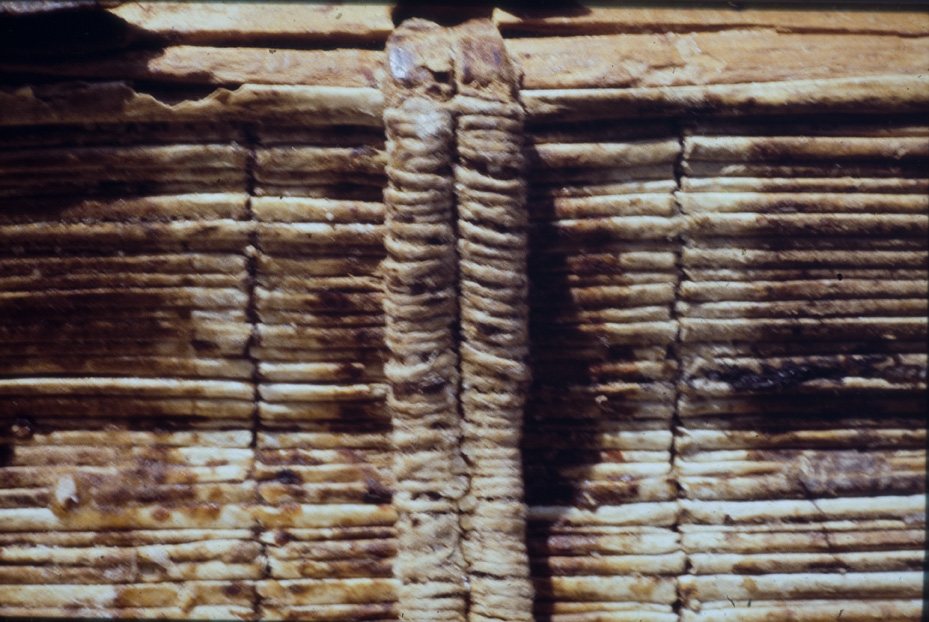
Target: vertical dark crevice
(457,336)
(674,350)
(251,266)
(253,319)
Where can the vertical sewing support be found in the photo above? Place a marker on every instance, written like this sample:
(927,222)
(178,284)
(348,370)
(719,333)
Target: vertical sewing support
(456,311)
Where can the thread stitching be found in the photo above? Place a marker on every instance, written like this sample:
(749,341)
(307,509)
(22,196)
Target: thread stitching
(457,243)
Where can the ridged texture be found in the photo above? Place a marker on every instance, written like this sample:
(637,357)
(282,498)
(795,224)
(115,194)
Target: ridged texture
(494,343)
(599,422)
(322,451)
(801,452)
(193,417)
(421,312)
(420,309)
(482,290)
(492,225)
(126,396)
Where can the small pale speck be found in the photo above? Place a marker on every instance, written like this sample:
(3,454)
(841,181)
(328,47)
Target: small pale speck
(66,491)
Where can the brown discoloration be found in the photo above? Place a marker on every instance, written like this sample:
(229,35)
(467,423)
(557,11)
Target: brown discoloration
(418,63)
(22,428)
(286,457)
(234,589)
(379,548)
(32,498)
(482,66)
(340,302)
(288,477)
(583,493)
(352,371)
(202,513)
(243,553)
(341,569)
(315,493)
(377,492)
(769,378)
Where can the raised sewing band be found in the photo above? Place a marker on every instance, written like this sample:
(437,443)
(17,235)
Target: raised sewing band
(456,313)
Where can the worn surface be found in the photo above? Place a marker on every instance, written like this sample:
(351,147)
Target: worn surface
(728,294)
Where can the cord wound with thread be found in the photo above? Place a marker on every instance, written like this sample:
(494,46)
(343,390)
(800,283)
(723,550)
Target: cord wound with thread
(492,228)
(456,291)
(421,315)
